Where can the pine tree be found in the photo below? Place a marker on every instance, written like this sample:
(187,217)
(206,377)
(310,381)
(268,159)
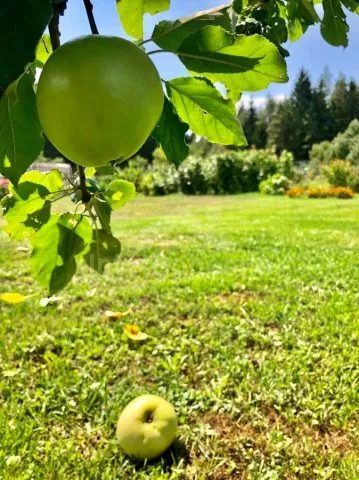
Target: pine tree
(304,124)
(249,122)
(338,106)
(322,115)
(281,134)
(352,101)
(263,121)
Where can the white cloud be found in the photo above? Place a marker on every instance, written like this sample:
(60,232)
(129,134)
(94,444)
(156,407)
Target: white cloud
(259,102)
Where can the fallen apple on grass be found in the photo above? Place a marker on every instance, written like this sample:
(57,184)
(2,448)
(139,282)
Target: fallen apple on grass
(146,427)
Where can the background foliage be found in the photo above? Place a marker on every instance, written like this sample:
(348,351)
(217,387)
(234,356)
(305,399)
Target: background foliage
(240,46)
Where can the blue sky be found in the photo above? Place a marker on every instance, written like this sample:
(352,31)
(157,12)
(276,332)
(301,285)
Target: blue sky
(311,51)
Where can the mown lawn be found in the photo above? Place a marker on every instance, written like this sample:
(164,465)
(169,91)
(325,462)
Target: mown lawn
(253,308)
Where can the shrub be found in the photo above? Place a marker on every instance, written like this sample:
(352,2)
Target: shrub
(341,173)
(133,172)
(191,177)
(275,185)
(326,192)
(320,192)
(286,164)
(345,146)
(159,179)
(343,192)
(226,172)
(4,187)
(295,192)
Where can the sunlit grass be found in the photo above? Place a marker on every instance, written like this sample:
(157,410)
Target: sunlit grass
(251,307)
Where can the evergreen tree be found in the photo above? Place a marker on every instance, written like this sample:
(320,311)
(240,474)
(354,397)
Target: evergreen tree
(248,119)
(338,106)
(281,134)
(352,101)
(323,119)
(264,118)
(304,124)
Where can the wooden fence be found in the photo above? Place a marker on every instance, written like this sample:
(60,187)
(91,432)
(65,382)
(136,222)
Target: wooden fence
(63,168)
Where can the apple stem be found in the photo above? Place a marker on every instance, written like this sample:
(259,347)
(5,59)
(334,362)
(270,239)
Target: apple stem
(148,416)
(89,11)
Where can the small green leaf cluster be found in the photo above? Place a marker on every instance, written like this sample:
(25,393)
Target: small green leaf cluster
(60,241)
(282,20)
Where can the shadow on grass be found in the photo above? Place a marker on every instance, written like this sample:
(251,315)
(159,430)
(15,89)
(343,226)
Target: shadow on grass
(177,452)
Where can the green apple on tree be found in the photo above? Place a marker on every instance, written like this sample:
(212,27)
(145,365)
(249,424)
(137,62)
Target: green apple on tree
(98,99)
(146,427)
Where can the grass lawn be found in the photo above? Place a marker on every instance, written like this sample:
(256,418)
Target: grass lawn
(253,308)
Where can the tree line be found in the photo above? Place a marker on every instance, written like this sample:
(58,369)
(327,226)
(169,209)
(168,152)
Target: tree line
(311,114)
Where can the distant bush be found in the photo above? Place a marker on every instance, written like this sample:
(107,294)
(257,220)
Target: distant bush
(343,192)
(320,192)
(295,192)
(133,172)
(277,184)
(159,179)
(192,180)
(232,172)
(226,172)
(341,173)
(345,146)
(326,192)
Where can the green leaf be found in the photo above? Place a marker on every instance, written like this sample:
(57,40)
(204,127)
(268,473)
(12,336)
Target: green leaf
(295,29)
(352,5)
(22,23)
(169,35)
(132,11)
(119,192)
(170,134)
(20,133)
(43,50)
(90,172)
(104,249)
(62,275)
(30,206)
(75,235)
(21,223)
(55,248)
(308,12)
(103,211)
(106,170)
(205,52)
(200,104)
(334,27)
(45,256)
(237,5)
(52,181)
(270,67)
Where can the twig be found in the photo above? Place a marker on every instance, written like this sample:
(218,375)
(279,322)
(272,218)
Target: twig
(85,194)
(58,9)
(90,16)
